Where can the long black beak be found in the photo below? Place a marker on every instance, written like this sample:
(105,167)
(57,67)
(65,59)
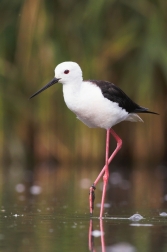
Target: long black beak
(55,80)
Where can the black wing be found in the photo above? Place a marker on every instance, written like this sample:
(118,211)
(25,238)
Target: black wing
(115,94)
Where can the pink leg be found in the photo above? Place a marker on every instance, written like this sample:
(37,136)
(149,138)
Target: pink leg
(102,236)
(91,237)
(104,171)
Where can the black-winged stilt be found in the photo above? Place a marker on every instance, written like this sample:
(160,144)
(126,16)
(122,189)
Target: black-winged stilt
(96,104)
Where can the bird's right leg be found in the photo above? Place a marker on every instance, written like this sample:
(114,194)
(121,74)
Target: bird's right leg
(93,187)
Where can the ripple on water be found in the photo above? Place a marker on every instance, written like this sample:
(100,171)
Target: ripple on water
(163,214)
(136,217)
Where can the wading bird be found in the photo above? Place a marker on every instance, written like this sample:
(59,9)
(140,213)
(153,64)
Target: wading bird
(97,104)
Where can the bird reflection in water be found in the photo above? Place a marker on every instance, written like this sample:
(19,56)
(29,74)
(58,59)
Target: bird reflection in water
(94,233)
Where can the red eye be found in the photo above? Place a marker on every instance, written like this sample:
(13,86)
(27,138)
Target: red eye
(66,71)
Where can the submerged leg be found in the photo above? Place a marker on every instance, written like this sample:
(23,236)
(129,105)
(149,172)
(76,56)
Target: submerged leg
(104,171)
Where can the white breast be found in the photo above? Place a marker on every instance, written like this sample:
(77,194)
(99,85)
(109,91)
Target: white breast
(90,106)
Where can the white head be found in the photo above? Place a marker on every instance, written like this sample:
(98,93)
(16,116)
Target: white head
(66,72)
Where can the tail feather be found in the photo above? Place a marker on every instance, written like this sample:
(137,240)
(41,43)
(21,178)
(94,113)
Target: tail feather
(144,110)
(132,117)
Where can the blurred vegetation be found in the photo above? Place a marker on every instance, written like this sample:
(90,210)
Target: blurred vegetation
(122,41)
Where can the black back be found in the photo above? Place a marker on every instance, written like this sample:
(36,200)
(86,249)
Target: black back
(115,94)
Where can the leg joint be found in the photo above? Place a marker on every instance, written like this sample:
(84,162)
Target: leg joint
(93,187)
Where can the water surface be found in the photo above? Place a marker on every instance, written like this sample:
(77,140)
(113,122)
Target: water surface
(50,213)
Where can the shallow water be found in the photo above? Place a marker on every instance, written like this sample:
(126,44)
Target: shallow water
(51,213)
(54,230)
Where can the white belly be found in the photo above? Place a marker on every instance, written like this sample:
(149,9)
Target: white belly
(92,108)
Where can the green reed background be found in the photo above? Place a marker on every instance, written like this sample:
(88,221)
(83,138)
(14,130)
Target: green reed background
(123,41)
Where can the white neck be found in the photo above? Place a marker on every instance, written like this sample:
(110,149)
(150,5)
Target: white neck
(71,92)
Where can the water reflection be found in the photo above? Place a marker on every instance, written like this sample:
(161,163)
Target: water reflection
(96,233)
(122,246)
(147,235)
(50,211)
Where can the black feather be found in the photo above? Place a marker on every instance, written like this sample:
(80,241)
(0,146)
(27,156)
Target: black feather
(115,94)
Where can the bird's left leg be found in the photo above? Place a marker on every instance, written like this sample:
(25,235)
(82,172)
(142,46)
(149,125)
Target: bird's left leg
(106,173)
(93,187)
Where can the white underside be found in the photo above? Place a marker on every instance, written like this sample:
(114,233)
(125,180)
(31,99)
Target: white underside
(88,103)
